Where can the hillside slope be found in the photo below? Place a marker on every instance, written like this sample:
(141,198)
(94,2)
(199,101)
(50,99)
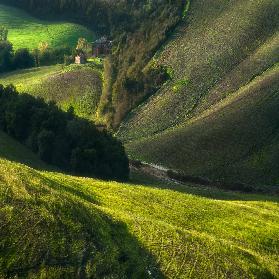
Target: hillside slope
(13,151)
(26,31)
(79,86)
(217,53)
(236,140)
(137,29)
(58,226)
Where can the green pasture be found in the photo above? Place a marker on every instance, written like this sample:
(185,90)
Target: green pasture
(79,86)
(59,226)
(26,31)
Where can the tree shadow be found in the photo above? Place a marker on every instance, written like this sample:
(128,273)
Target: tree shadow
(59,232)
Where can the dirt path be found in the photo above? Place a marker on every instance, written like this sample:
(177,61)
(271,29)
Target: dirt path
(156,171)
(172,176)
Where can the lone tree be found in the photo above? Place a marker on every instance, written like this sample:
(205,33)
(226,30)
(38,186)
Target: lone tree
(6,56)
(82,45)
(3,33)
(43,46)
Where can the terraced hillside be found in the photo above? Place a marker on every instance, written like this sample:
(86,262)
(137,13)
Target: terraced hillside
(79,86)
(58,226)
(26,31)
(222,61)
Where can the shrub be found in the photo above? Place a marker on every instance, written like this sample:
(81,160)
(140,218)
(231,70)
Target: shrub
(6,56)
(68,60)
(9,60)
(23,59)
(51,56)
(46,140)
(3,33)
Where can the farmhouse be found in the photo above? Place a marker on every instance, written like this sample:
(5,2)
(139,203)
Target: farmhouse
(101,47)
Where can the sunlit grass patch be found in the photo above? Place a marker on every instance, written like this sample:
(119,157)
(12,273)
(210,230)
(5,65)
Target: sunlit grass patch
(65,225)
(79,86)
(26,31)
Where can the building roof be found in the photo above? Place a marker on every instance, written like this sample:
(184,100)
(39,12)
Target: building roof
(102,40)
(80,55)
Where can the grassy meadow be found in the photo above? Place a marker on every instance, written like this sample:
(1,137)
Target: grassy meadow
(59,226)
(79,86)
(217,115)
(219,48)
(236,140)
(26,31)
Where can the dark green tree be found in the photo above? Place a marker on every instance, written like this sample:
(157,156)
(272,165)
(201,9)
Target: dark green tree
(61,138)
(3,33)
(23,59)
(6,56)
(45,145)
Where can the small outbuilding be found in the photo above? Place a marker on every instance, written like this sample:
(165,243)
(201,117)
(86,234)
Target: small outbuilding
(101,47)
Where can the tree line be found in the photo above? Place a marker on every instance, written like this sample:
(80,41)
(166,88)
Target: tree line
(23,58)
(10,60)
(60,138)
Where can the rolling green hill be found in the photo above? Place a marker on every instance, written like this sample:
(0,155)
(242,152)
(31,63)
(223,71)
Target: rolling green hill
(217,116)
(137,29)
(59,226)
(26,31)
(79,86)
(236,140)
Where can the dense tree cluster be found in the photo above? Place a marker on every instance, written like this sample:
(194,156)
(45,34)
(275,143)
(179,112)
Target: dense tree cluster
(10,60)
(3,33)
(23,58)
(60,138)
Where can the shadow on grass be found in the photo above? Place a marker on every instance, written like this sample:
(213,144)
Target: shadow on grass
(58,232)
(138,177)
(11,150)
(14,151)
